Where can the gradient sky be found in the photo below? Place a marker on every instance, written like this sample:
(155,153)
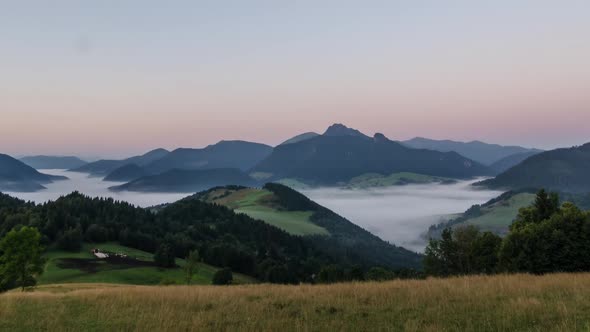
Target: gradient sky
(112,77)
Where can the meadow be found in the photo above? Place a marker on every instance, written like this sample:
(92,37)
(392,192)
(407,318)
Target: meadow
(81,267)
(498,217)
(557,302)
(259,204)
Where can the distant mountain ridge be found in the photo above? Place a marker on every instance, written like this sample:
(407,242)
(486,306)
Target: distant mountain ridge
(506,163)
(225,154)
(104,167)
(126,173)
(301,137)
(484,153)
(20,177)
(187,181)
(343,153)
(53,162)
(566,170)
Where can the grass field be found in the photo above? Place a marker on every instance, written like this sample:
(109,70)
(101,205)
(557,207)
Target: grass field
(259,204)
(498,217)
(499,303)
(83,268)
(371,180)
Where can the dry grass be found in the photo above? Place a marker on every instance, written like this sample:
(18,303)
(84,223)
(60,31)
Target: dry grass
(559,302)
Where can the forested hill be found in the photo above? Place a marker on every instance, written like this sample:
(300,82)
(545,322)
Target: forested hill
(295,213)
(223,238)
(565,170)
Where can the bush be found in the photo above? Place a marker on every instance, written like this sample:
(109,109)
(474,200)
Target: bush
(223,277)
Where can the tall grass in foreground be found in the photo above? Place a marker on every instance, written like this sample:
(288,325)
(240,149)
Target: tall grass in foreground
(559,302)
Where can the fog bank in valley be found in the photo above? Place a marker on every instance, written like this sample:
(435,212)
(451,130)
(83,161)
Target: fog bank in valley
(94,187)
(401,214)
(396,214)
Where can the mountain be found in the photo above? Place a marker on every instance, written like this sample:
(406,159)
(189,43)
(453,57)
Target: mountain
(126,173)
(187,181)
(19,177)
(339,129)
(299,138)
(564,170)
(332,159)
(296,214)
(481,152)
(53,162)
(225,154)
(104,167)
(506,163)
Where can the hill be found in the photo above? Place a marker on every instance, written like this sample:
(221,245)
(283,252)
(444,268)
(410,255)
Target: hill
(126,173)
(187,181)
(296,214)
(225,154)
(223,238)
(331,160)
(563,170)
(53,162)
(16,176)
(104,167)
(264,205)
(552,302)
(507,163)
(374,180)
(481,152)
(495,215)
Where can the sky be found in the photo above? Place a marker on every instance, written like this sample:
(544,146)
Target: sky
(113,78)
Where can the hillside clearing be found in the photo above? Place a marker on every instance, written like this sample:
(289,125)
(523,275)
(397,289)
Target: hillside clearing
(260,204)
(498,217)
(496,303)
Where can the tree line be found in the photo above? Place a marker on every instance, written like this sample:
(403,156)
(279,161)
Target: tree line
(545,237)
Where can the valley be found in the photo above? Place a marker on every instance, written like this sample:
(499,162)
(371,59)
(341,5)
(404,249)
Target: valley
(399,214)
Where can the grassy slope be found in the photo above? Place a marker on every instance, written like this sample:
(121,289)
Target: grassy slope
(109,274)
(499,217)
(258,204)
(377,180)
(556,302)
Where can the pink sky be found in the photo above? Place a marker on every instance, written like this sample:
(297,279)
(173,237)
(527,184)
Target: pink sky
(106,82)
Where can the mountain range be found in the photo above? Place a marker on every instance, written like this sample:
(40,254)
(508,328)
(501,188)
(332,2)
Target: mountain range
(341,154)
(484,153)
(19,177)
(53,162)
(104,167)
(187,181)
(334,158)
(565,170)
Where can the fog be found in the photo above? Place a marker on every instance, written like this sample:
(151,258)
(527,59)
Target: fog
(94,187)
(396,214)
(401,214)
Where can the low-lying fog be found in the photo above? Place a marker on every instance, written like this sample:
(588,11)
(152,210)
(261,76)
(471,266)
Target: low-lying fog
(396,214)
(94,187)
(401,214)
